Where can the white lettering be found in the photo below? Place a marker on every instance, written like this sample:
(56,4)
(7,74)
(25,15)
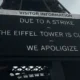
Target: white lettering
(24,20)
(59,48)
(32,47)
(53,34)
(24,33)
(5,32)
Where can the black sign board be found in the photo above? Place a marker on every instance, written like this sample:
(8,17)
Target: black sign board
(39,36)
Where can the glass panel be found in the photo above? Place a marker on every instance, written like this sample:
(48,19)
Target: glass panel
(34,5)
(73,6)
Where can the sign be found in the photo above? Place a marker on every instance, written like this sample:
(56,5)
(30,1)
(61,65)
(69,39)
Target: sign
(30,33)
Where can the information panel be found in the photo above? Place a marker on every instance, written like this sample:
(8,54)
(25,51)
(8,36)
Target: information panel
(38,34)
